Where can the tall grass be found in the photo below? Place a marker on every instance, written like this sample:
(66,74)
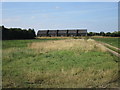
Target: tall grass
(69,44)
(70,63)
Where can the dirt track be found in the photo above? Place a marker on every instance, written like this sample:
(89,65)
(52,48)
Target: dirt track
(111,51)
(110,46)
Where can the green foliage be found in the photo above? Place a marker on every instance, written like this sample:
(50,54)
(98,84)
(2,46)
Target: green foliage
(17,33)
(112,41)
(26,68)
(102,33)
(111,34)
(23,43)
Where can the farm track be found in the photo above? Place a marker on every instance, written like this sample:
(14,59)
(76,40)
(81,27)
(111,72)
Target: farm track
(108,47)
(113,52)
(111,46)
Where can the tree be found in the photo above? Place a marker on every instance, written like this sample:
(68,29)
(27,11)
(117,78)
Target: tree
(17,33)
(108,34)
(102,33)
(90,34)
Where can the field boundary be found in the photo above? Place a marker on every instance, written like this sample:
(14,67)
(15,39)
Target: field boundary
(113,52)
(111,49)
(111,46)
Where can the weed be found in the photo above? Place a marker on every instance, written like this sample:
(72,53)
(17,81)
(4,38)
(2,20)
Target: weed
(70,63)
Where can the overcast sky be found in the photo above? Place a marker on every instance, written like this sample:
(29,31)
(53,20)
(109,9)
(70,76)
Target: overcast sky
(94,16)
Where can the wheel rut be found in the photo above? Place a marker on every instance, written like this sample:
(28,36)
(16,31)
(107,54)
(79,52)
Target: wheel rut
(108,47)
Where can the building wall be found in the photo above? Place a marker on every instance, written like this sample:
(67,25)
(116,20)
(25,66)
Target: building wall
(82,33)
(52,33)
(72,32)
(62,32)
(42,33)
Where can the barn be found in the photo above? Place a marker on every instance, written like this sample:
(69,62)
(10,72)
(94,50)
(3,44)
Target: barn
(55,33)
(62,32)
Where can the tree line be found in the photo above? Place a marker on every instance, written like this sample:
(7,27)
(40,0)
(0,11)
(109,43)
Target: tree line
(17,33)
(111,34)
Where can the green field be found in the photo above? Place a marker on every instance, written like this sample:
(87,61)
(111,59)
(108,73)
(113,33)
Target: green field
(23,43)
(56,63)
(112,41)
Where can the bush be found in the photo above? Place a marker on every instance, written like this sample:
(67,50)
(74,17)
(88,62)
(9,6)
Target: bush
(17,33)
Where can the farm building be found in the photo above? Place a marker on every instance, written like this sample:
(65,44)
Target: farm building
(72,32)
(62,32)
(53,33)
(43,33)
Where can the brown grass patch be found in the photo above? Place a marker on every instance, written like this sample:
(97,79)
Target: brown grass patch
(73,44)
(53,37)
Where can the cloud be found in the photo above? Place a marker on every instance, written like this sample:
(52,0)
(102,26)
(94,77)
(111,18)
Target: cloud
(60,0)
(57,7)
(11,20)
(33,17)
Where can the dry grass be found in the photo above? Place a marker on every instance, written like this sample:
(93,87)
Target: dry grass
(70,63)
(76,77)
(69,44)
(53,37)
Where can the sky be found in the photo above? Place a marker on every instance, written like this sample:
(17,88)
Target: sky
(93,16)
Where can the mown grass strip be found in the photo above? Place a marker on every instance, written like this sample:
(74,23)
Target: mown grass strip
(116,50)
(111,41)
(111,49)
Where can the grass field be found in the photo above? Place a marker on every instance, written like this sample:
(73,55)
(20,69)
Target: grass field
(110,40)
(56,63)
(23,43)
